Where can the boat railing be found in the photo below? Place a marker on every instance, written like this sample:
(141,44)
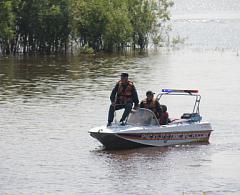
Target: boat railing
(177,92)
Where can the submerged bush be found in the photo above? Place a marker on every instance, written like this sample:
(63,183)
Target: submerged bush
(49,26)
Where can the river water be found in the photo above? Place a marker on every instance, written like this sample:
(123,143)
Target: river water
(48,104)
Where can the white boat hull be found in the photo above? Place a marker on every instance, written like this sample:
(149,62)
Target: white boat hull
(120,137)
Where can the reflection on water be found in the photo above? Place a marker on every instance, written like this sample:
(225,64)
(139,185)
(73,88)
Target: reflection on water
(149,169)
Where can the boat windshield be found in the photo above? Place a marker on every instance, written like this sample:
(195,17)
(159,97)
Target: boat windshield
(143,117)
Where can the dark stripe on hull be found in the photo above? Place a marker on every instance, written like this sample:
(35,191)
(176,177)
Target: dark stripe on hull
(197,135)
(113,142)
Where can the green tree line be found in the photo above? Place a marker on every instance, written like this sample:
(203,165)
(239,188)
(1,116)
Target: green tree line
(56,26)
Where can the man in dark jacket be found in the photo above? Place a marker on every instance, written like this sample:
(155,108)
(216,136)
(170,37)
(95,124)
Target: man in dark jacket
(152,104)
(123,95)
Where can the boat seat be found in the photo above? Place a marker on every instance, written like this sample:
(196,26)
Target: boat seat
(194,117)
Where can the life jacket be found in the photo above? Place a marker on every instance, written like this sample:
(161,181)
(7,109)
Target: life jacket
(124,93)
(151,106)
(164,119)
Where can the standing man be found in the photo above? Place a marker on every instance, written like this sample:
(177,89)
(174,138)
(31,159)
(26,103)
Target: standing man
(152,104)
(123,95)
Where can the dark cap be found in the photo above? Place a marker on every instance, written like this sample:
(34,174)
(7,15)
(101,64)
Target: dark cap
(124,74)
(149,93)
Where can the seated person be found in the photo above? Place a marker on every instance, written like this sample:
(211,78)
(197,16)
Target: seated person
(164,119)
(152,104)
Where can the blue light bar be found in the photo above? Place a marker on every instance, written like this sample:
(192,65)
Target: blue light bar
(167,90)
(179,90)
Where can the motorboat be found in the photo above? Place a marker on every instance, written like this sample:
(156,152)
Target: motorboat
(142,128)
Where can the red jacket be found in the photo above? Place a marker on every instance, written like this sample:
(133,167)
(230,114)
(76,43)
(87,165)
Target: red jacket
(164,118)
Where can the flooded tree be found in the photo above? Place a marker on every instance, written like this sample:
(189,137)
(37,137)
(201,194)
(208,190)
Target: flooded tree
(52,26)
(42,26)
(7,26)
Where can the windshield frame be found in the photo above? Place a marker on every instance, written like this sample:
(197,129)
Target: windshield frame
(150,121)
